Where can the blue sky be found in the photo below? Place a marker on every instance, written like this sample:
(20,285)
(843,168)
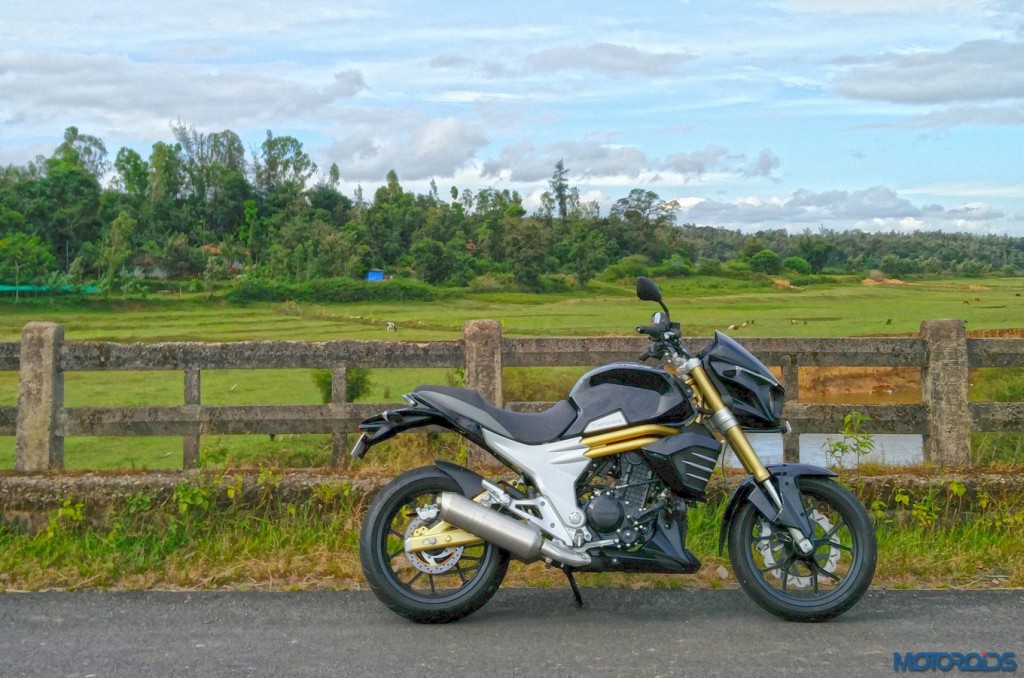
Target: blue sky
(791,114)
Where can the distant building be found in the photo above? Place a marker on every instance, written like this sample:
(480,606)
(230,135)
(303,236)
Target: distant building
(375,274)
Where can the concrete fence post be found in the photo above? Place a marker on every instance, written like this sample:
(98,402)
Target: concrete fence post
(482,341)
(791,382)
(39,445)
(193,402)
(483,359)
(944,381)
(339,438)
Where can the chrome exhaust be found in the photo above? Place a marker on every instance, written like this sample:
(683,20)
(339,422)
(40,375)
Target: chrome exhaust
(523,541)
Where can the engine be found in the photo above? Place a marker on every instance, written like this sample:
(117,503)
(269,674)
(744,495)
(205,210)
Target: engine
(615,494)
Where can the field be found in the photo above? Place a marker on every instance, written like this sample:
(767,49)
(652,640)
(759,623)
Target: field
(700,304)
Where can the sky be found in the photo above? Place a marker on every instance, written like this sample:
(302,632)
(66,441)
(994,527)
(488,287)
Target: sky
(798,114)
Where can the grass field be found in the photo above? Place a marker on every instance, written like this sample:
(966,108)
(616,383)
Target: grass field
(700,304)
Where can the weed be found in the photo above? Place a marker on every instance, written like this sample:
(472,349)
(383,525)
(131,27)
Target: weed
(854,442)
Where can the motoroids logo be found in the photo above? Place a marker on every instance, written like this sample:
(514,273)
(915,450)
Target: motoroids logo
(947,661)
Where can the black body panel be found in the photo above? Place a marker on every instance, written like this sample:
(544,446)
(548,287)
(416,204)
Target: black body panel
(749,388)
(684,462)
(665,553)
(641,393)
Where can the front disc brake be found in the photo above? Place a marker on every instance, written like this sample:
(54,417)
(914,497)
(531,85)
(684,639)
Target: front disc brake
(774,551)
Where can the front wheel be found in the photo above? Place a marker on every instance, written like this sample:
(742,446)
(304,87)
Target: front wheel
(813,587)
(427,586)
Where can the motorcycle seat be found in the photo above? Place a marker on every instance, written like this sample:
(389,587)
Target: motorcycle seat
(532,428)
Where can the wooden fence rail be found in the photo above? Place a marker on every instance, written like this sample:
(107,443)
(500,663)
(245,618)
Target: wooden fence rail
(40,421)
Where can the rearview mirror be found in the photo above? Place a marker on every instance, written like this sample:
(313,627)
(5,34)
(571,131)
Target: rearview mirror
(647,290)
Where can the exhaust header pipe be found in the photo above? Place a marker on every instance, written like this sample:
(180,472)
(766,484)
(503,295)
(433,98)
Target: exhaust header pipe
(523,541)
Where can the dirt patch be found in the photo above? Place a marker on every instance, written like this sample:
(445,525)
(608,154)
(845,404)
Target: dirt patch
(887,384)
(882,281)
(998,333)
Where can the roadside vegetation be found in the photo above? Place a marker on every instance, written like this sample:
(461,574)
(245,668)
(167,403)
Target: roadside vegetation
(212,531)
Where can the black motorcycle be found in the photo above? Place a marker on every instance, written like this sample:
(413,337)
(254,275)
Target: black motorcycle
(605,479)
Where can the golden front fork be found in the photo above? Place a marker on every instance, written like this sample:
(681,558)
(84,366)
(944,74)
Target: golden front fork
(724,419)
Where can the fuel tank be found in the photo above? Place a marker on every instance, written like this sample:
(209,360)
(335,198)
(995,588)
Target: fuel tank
(626,394)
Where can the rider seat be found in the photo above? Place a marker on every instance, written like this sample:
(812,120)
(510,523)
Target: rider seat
(525,427)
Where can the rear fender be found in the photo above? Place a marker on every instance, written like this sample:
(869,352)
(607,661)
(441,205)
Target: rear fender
(752,492)
(390,423)
(469,482)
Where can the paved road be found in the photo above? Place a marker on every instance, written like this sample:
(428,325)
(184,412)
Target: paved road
(520,632)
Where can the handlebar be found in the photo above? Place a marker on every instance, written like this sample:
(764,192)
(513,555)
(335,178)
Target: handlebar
(664,341)
(652,331)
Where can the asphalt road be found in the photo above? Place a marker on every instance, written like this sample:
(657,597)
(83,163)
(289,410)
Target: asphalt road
(520,632)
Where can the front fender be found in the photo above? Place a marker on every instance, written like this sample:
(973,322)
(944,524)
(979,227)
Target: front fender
(748,490)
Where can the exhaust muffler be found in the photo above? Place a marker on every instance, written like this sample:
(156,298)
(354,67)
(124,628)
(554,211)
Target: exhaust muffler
(523,541)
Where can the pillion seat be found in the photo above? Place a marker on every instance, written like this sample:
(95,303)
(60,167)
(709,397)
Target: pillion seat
(529,428)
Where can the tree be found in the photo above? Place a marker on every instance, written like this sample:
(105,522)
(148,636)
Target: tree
(115,248)
(646,215)
(391,219)
(24,260)
(85,151)
(765,261)
(815,249)
(65,209)
(560,190)
(527,251)
(132,173)
(282,168)
(587,252)
(798,265)
(431,261)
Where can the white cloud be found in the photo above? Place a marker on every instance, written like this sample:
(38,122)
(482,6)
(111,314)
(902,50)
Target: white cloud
(763,165)
(524,162)
(372,145)
(1010,114)
(607,59)
(983,70)
(875,208)
(126,97)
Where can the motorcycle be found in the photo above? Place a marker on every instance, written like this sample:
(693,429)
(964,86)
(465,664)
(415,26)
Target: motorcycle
(605,480)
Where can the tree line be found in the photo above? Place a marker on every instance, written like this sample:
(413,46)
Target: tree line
(201,208)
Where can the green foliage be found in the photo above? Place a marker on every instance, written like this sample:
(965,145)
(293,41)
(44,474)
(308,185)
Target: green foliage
(765,261)
(627,268)
(357,384)
(797,265)
(199,190)
(853,443)
(24,259)
(338,290)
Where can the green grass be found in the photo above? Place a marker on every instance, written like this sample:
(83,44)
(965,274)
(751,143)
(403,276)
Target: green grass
(700,304)
(213,534)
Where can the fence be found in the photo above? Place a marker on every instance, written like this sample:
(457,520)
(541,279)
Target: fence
(40,421)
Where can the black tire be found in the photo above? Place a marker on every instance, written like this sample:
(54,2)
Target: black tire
(468,576)
(813,588)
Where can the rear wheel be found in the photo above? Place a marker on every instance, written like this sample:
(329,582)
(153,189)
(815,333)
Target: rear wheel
(428,586)
(816,586)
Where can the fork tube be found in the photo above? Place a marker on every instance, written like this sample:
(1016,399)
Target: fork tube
(725,421)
